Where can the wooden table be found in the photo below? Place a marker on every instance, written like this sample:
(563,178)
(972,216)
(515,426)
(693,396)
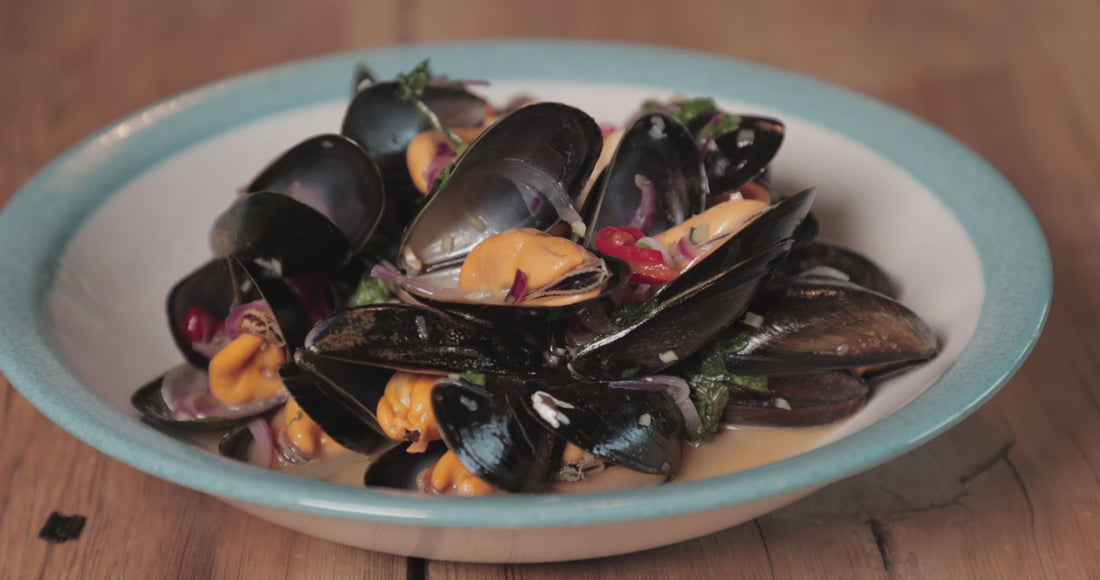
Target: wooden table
(1014,491)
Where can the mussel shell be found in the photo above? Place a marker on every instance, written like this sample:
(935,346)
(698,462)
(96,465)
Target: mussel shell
(523,314)
(659,148)
(331,174)
(149,401)
(212,286)
(221,284)
(284,303)
(492,435)
(639,429)
(501,182)
(282,231)
(856,267)
(417,338)
(384,125)
(399,469)
(687,313)
(738,156)
(779,222)
(801,400)
(814,324)
(341,398)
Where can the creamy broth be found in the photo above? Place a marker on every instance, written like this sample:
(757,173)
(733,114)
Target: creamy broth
(733,449)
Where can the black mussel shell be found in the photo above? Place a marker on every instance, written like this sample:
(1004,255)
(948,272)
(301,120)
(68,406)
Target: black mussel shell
(222,284)
(636,428)
(813,323)
(521,314)
(384,125)
(777,223)
(331,174)
(801,400)
(288,234)
(737,156)
(151,402)
(659,149)
(284,303)
(418,338)
(687,313)
(341,398)
(212,286)
(491,433)
(364,78)
(830,260)
(399,469)
(518,174)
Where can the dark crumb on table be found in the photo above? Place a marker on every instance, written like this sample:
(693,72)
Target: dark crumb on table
(59,528)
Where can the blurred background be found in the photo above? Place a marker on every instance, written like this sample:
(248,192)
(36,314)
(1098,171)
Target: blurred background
(1014,491)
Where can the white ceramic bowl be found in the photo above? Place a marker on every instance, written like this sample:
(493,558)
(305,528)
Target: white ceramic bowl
(94,241)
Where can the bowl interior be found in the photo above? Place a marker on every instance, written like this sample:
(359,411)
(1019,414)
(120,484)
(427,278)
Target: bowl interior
(108,300)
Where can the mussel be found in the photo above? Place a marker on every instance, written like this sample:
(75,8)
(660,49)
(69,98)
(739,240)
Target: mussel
(260,304)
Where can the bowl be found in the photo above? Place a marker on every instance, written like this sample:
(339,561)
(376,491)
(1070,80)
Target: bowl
(94,241)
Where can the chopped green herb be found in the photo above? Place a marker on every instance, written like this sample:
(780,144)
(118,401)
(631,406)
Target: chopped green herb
(443,177)
(630,372)
(710,380)
(689,110)
(296,418)
(473,378)
(758,384)
(725,125)
(410,87)
(370,291)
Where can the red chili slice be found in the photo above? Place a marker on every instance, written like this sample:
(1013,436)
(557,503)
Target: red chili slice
(648,265)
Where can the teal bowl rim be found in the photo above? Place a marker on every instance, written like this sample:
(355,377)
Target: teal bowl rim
(37,225)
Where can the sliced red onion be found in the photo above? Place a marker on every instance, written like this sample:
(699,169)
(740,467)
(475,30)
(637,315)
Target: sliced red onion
(233,321)
(519,287)
(607,129)
(263,444)
(647,206)
(186,392)
(687,249)
(444,156)
(675,386)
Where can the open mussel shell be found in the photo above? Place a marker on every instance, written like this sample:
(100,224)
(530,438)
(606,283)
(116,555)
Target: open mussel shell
(815,323)
(212,286)
(180,398)
(523,314)
(331,174)
(282,231)
(737,156)
(800,400)
(290,314)
(383,125)
(340,397)
(417,338)
(399,469)
(492,435)
(658,151)
(639,429)
(523,172)
(830,260)
(222,284)
(687,313)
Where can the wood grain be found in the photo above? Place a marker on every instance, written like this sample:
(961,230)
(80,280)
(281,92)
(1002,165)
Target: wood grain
(1012,492)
